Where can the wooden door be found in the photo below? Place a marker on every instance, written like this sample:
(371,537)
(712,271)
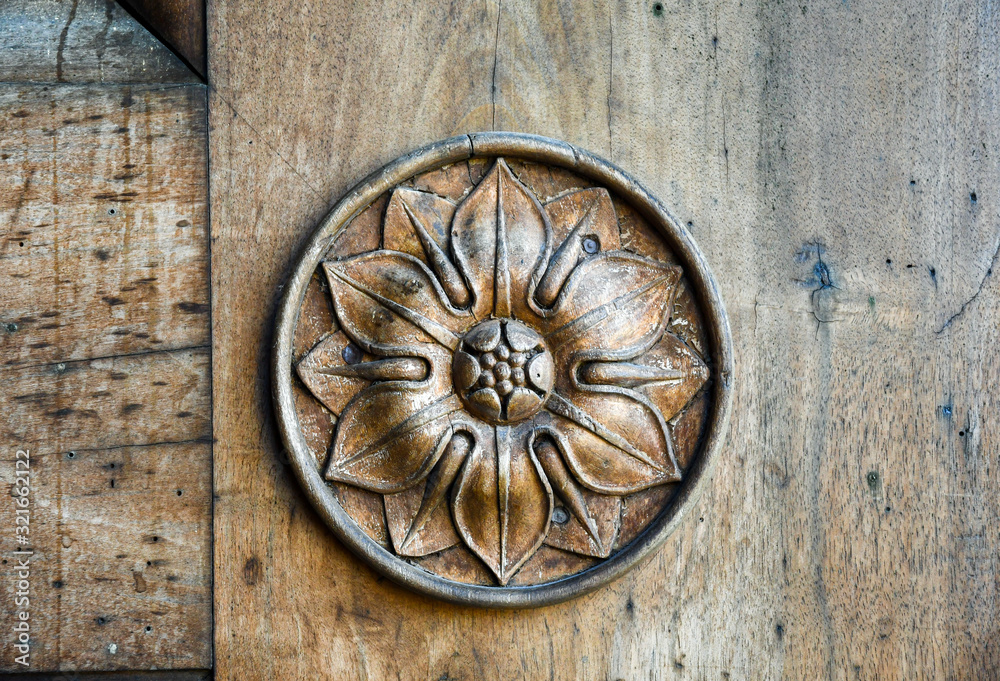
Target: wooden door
(837,163)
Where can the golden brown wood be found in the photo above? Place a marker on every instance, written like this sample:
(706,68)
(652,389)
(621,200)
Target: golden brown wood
(104,222)
(104,331)
(849,529)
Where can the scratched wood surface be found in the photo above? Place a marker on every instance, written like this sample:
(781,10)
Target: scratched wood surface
(180,24)
(81,41)
(836,161)
(104,333)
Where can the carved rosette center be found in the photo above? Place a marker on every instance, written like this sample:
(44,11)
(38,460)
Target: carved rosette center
(503,371)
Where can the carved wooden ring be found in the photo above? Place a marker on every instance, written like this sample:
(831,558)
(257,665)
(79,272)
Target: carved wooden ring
(502,371)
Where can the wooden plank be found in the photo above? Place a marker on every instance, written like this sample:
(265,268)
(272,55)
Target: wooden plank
(104,331)
(121,574)
(816,151)
(110,402)
(180,24)
(172,675)
(81,41)
(103,221)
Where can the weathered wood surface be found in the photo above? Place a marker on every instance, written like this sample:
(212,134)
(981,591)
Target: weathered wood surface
(104,332)
(837,163)
(121,570)
(81,41)
(104,215)
(180,24)
(172,675)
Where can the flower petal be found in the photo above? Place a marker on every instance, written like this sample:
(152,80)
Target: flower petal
(567,211)
(584,223)
(615,301)
(333,391)
(392,433)
(418,519)
(503,503)
(437,532)
(671,354)
(589,522)
(387,301)
(417,223)
(613,439)
(501,240)
(399,232)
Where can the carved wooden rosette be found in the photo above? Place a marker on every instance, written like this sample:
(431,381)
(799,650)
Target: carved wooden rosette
(501,371)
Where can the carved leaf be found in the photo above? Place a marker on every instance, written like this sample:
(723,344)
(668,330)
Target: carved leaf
(613,306)
(417,223)
(670,353)
(436,534)
(419,520)
(501,241)
(434,213)
(588,523)
(567,211)
(583,224)
(387,301)
(573,535)
(613,439)
(502,503)
(333,391)
(391,435)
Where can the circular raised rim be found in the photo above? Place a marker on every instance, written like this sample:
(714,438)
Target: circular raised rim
(553,152)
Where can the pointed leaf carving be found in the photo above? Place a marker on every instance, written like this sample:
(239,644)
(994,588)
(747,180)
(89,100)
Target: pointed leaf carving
(392,433)
(574,536)
(584,223)
(614,441)
(333,391)
(501,241)
(566,212)
(437,533)
(671,354)
(503,503)
(387,301)
(419,519)
(616,302)
(417,223)
(434,213)
(589,524)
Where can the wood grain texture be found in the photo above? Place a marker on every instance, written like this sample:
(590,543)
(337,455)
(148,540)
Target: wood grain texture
(837,163)
(171,675)
(121,575)
(104,221)
(104,332)
(180,24)
(81,41)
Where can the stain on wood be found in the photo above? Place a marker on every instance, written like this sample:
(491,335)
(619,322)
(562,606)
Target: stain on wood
(776,132)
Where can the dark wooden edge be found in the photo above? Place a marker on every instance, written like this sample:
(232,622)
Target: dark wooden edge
(187,42)
(534,148)
(161,675)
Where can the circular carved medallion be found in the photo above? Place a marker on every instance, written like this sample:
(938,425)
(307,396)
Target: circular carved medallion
(501,370)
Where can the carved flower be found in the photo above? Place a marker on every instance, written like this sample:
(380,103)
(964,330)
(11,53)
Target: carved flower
(510,359)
